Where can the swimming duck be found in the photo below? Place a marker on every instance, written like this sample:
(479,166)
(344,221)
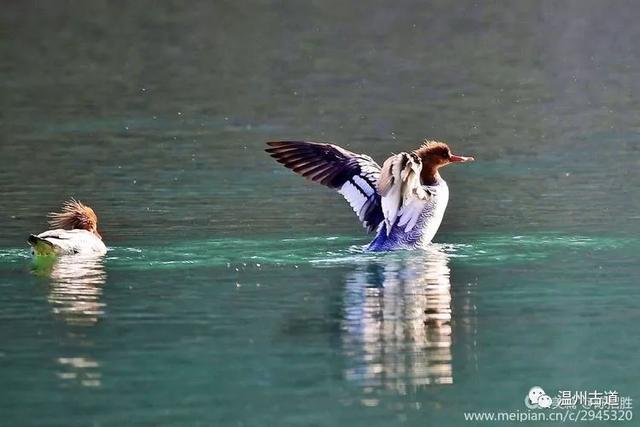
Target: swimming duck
(75,232)
(403,201)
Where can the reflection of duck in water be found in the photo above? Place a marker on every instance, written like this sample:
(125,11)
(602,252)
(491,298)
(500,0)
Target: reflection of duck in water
(403,201)
(75,232)
(75,293)
(397,321)
(75,286)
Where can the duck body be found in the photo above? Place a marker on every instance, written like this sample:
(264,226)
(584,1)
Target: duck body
(75,232)
(66,242)
(426,226)
(403,201)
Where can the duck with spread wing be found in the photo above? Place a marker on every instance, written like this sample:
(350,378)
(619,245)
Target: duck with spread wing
(403,201)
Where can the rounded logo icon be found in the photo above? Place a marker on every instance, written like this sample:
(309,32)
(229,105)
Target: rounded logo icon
(537,398)
(544,401)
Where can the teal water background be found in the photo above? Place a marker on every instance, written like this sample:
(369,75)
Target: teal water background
(236,293)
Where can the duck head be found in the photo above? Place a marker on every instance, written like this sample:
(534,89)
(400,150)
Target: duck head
(75,216)
(435,155)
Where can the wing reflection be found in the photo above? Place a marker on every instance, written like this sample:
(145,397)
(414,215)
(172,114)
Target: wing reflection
(398,321)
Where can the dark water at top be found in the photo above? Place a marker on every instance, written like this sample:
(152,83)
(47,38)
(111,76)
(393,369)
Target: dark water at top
(235,293)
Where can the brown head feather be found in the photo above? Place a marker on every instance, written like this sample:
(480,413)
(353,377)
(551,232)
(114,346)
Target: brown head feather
(432,149)
(434,155)
(75,215)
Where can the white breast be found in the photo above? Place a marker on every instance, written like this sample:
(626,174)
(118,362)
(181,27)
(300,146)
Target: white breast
(433,216)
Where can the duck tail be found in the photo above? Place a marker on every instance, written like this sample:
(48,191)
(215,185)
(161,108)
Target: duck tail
(74,215)
(40,246)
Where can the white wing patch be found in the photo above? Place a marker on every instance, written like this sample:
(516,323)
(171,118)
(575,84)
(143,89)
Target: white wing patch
(403,197)
(355,198)
(358,192)
(363,185)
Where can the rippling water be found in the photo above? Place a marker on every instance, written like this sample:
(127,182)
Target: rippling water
(235,293)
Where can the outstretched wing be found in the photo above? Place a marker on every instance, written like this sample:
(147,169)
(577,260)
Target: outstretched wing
(355,176)
(403,198)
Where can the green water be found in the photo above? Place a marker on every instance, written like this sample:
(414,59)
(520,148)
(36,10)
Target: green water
(235,293)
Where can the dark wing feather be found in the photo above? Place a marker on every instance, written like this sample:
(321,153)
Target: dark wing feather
(355,176)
